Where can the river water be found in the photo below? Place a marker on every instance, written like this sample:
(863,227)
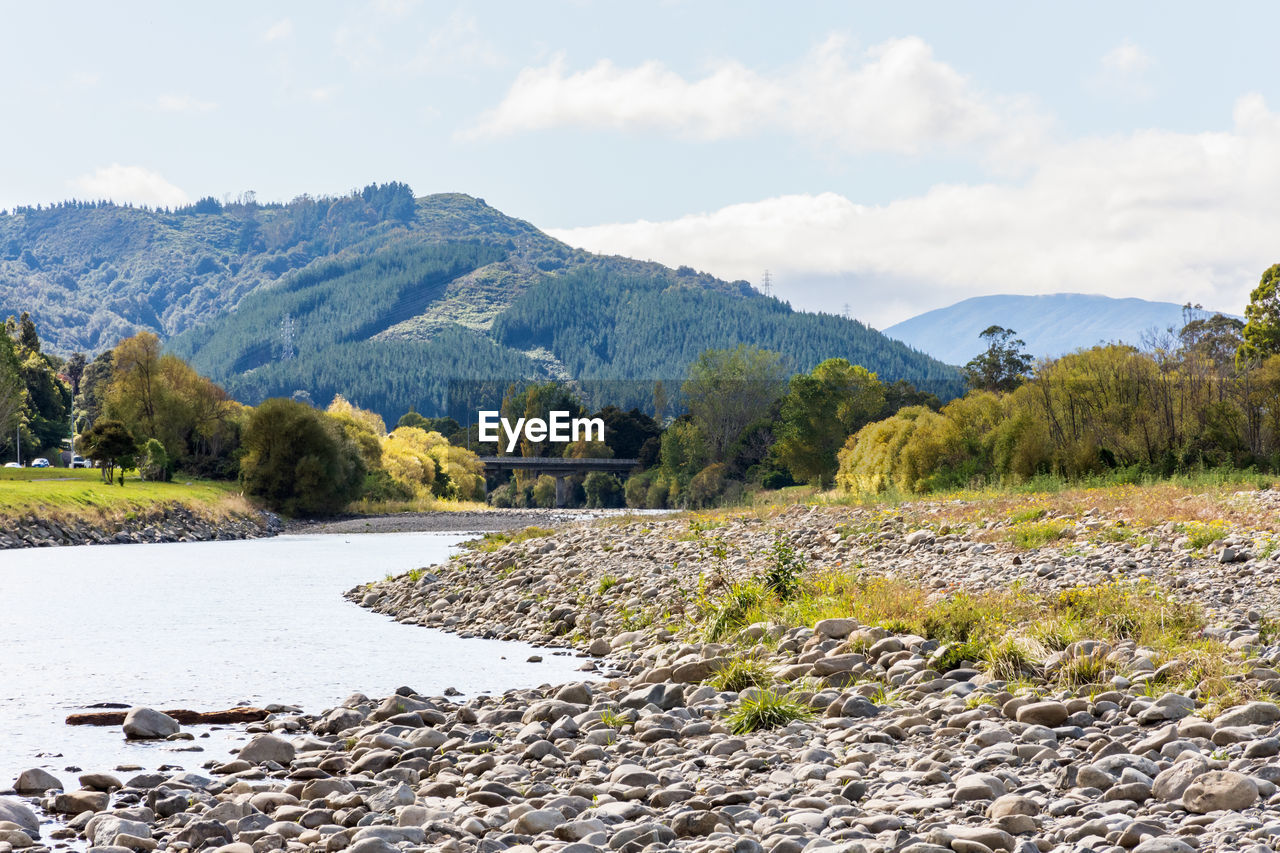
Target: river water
(212,625)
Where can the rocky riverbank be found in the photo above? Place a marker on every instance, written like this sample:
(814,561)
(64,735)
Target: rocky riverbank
(162,524)
(887,740)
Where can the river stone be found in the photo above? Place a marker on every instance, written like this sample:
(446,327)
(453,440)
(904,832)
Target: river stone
(1012,804)
(102,829)
(836,628)
(265,748)
(698,670)
(1164,844)
(36,781)
(198,832)
(16,839)
(19,813)
(75,802)
(1219,790)
(1172,782)
(149,724)
(1251,714)
(1048,713)
(100,782)
(538,821)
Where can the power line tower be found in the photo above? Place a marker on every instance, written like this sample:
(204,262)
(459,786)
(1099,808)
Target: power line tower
(766,285)
(286,338)
(848,313)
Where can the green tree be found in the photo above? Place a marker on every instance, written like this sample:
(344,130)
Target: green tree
(109,444)
(298,460)
(1262,319)
(820,410)
(726,390)
(1004,364)
(13,391)
(154,465)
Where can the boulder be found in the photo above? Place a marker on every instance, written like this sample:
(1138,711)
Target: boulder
(21,814)
(149,724)
(1252,714)
(1220,790)
(267,747)
(36,781)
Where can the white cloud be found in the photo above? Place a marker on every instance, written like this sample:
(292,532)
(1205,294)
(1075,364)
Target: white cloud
(281,29)
(130,184)
(893,96)
(1126,58)
(1155,214)
(183,104)
(1123,72)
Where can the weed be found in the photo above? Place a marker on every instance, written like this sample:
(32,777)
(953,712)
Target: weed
(491,542)
(730,613)
(1037,534)
(977,699)
(765,709)
(739,674)
(607,582)
(1010,658)
(1203,534)
(785,567)
(613,719)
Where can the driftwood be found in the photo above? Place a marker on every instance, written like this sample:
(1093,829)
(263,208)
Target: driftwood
(185,717)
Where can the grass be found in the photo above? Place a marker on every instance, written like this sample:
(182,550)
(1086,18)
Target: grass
(491,542)
(64,494)
(420,504)
(765,709)
(607,582)
(1037,534)
(613,719)
(739,674)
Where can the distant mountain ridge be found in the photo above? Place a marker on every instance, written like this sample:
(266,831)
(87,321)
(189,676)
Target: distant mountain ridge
(1051,324)
(388,299)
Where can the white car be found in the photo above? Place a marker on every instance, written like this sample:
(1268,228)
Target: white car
(79,461)
(12,465)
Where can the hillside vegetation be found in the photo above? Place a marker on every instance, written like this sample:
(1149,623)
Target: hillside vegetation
(387,300)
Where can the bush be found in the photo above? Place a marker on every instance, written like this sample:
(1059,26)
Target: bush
(707,485)
(636,489)
(602,490)
(544,491)
(298,460)
(154,464)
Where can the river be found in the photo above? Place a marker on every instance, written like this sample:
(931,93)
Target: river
(212,625)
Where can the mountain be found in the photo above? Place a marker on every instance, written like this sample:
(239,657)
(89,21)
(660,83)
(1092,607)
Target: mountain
(1051,324)
(395,302)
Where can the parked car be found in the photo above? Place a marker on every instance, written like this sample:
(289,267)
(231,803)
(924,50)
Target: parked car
(79,461)
(12,465)
(40,462)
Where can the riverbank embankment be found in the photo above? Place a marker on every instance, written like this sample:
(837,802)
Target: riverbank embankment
(910,679)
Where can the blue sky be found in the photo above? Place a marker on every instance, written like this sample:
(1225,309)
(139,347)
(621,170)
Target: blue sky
(889,158)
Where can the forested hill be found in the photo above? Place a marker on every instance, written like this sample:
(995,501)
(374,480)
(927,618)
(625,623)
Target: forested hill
(386,298)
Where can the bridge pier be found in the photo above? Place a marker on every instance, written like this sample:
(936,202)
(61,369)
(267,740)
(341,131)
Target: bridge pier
(562,490)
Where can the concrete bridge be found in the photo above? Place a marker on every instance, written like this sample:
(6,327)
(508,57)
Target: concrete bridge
(556,466)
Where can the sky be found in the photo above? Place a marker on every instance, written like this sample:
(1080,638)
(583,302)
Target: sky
(881,159)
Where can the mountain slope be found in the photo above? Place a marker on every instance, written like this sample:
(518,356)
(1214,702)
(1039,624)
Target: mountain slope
(1051,324)
(396,302)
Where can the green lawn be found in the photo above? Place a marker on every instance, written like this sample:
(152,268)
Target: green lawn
(69,492)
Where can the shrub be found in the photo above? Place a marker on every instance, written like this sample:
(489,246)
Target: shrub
(544,491)
(154,464)
(602,490)
(298,461)
(707,485)
(785,567)
(765,709)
